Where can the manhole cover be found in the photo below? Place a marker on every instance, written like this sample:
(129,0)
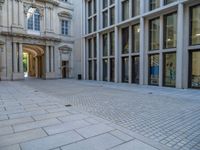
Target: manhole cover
(69,105)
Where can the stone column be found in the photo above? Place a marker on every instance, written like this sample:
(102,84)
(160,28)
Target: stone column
(116,55)
(21,13)
(21,69)
(36,67)
(15,58)
(47,59)
(180,47)
(14,12)
(52,59)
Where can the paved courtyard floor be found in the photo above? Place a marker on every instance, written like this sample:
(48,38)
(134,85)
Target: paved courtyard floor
(36,115)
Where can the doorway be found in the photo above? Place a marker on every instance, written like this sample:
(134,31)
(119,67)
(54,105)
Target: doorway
(65,69)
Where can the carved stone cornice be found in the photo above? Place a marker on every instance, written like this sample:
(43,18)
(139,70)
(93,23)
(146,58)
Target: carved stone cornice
(20,35)
(54,2)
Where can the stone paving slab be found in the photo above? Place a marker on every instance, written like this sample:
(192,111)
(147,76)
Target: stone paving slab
(102,142)
(51,142)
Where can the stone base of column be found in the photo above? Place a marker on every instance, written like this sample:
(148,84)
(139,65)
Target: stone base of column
(18,76)
(49,75)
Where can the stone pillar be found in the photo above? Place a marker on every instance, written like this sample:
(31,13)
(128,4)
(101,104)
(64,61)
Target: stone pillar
(21,69)
(47,59)
(15,64)
(52,59)
(14,12)
(180,47)
(116,55)
(36,67)
(21,13)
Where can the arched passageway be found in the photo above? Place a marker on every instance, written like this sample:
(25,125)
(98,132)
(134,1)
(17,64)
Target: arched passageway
(33,61)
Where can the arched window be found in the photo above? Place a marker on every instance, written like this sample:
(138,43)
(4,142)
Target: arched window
(33,18)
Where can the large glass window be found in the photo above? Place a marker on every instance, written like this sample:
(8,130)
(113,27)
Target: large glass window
(95,47)
(169,69)
(125,69)
(89,8)
(90,25)
(95,23)
(154,35)
(105,19)
(33,17)
(125,10)
(170,30)
(112,69)
(95,6)
(195,25)
(125,40)
(195,69)
(105,69)
(112,2)
(136,38)
(95,70)
(112,15)
(135,8)
(112,43)
(153,4)
(105,45)
(154,69)
(135,69)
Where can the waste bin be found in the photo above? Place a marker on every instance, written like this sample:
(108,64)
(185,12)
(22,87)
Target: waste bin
(79,77)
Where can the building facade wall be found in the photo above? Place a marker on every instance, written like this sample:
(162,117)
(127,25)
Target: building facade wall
(15,37)
(159,54)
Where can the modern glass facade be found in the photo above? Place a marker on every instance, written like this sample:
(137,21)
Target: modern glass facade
(147,44)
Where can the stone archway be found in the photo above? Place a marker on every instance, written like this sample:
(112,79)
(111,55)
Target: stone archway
(35,61)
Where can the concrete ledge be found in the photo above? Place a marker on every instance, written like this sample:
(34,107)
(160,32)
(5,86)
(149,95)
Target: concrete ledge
(50,75)
(18,76)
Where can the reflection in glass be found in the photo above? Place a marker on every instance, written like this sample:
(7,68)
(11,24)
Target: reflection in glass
(154,34)
(105,70)
(125,40)
(170,29)
(125,69)
(195,69)
(136,38)
(195,25)
(170,69)
(154,69)
(135,69)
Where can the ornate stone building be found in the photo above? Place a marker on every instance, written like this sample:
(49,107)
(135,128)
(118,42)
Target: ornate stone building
(42,30)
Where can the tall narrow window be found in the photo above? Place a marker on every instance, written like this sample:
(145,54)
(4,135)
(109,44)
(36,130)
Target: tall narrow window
(153,4)
(112,43)
(90,8)
(95,6)
(195,69)
(170,30)
(112,15)
(90,48)
(136,38)
(105,19)
(112,2)
(105,3)
(33,19)
(105,45)
(135,8)
(170,69)
(195,25)
(154,35)
(154,69)
(105,69)
(90,25)
(95,70)
(125,69)
(125,40)
(125,10)
(95,47)
(90,70)
(65,27)
(95,23)
(135,69)
(112,69)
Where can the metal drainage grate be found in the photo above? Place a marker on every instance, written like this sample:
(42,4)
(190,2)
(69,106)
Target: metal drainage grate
(68,105)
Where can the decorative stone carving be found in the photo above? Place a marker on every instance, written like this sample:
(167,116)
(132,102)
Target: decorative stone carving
(27,6)
(65,14)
